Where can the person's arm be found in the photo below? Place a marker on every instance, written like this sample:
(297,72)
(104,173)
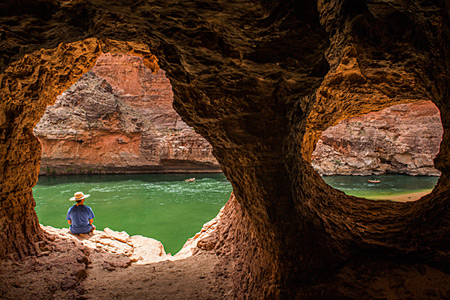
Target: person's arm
(91,216)
(69,216)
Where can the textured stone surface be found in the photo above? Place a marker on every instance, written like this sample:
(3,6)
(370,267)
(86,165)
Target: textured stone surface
(57,272)
(43,75)
(253,78)
(126,123)
(90,266)
(135,248)
(119,118)
(402,139)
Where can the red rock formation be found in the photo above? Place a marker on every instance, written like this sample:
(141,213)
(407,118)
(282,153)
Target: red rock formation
(148,92)
(254,78)
(402,139)
(148,135)
(119,118)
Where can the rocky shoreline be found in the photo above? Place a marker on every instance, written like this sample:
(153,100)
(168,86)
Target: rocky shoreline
(93,266)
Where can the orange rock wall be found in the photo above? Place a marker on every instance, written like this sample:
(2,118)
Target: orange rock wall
(37,78)
(119,119)
(380,142)
(140,88)
(402,139)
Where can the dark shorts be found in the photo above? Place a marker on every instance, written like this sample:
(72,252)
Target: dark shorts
(84,231)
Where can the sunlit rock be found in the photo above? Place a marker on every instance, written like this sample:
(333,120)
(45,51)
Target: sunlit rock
(137,249)
(402,139)
(119,118)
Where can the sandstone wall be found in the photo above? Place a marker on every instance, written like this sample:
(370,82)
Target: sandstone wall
(402,139)
(119,118)
(254,78)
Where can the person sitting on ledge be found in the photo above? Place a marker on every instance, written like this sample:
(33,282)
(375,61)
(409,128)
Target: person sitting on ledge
(80,216)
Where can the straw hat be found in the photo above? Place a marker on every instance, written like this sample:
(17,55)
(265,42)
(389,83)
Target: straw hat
(79,196)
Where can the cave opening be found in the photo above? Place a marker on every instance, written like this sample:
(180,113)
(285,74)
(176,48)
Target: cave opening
(384,155)
(114,123)
(118,118)
(245,76)
(59,255)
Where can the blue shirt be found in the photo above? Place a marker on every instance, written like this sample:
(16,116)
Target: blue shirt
(80,216)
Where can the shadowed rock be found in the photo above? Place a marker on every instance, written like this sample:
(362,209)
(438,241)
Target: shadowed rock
(260,81)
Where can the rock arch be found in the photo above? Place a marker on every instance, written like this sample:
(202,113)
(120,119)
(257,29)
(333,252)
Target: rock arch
(27,87)
(259,80)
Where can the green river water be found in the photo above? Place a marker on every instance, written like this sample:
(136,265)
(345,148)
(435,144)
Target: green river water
(165,207)
(390,185)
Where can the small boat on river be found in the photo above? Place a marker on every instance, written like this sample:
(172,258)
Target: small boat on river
(374,181)
(190,180)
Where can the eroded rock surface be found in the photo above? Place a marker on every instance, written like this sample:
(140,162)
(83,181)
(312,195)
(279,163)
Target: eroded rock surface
(56,273)
(402,139)
(107,264)
(254,78)
(126,123)
(136,248)
(118,117)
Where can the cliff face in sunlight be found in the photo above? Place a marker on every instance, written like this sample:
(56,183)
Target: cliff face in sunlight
(402,139)
(119,118)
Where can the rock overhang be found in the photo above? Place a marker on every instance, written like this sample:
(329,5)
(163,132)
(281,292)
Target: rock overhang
(254,79)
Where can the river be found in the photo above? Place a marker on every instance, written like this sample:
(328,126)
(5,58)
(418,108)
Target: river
(165,207)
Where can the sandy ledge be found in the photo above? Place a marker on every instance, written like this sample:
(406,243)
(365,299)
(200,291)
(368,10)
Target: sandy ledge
(405,197)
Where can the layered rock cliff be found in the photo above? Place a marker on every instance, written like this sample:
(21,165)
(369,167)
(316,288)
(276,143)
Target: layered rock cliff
(119,118)
(402,139)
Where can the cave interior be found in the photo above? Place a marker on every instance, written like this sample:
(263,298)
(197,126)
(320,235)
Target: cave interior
(260,80)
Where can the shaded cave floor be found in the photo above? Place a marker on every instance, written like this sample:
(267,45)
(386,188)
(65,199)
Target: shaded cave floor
(70,270)
(66,269)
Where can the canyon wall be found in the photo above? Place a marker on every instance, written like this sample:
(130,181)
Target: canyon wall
(402,139)
(118,118)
